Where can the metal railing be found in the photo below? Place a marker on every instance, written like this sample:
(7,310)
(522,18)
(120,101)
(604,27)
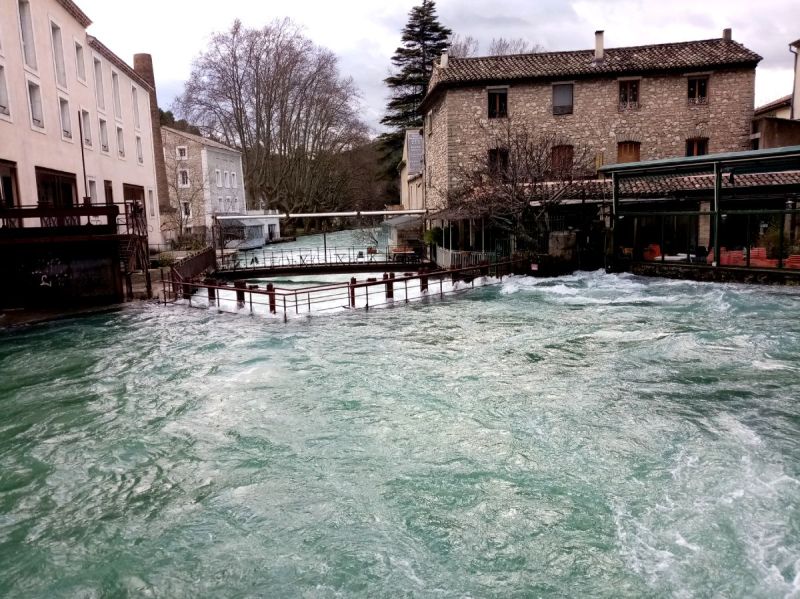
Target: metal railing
(305,301)
(462,259)
(316,256)
(194,265)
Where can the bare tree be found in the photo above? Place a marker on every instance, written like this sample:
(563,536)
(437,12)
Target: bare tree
(517,180)
(467,46)
(463,46)
(501,46)
(186,182)
(281,99)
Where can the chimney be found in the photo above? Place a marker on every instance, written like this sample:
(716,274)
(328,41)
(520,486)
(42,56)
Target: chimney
(599,51)
(727,34)
(143,66)
(443,60)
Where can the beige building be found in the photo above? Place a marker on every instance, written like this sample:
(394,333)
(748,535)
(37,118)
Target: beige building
(412,187)
(67,100)
(619,104)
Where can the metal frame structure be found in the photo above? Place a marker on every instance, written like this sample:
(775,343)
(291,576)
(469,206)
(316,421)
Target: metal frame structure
(730,164)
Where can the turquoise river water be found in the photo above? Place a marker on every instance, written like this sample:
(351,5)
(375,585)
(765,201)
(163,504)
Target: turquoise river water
(592,435)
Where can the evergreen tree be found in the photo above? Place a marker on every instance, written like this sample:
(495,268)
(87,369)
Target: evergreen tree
(424,39)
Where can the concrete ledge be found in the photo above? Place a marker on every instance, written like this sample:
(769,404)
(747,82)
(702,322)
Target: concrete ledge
(720,274)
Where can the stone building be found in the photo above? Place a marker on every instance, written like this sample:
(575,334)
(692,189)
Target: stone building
(619,104)
(204,179)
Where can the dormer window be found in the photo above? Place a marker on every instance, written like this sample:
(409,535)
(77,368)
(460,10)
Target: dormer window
(698,90)
(498,103)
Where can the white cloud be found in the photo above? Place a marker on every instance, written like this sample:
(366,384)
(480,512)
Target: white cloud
(365,33)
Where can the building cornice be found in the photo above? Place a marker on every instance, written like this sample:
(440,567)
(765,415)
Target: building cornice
(101,49)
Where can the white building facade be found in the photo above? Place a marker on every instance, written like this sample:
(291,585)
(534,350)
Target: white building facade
(75,124)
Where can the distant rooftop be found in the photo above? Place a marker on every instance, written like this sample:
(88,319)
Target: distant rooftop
(206,141)
(774,105)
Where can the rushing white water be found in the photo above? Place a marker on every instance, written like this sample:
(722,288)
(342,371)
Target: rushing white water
(591,435)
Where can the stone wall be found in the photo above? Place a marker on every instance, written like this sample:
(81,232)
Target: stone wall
(662,123)
(437,142)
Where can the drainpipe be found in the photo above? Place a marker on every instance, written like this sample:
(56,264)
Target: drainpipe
(794,111)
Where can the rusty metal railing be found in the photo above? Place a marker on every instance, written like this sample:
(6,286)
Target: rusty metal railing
(243,296)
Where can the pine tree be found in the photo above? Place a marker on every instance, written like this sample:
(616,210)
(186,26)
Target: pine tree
(424,39)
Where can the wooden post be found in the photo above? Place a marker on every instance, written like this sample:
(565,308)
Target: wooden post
(352,292)
(389,286)
(271,296)
(240,287)
(212,292)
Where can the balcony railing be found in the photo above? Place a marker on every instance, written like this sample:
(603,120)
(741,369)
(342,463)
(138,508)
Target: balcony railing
(628,105)
(699,101)
(49,217)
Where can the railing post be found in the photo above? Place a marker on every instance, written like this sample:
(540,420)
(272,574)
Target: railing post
(212,292)
(251,287)
(389,286)
(240,287)
(406,284)
(352,292)
(423,282)
(271,296)
(285,317)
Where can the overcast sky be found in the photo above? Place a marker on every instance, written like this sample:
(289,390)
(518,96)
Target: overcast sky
(365,33)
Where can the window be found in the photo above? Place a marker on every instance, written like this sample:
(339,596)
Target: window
(628,95)
(181,153)
(35,100)
(103,135)
(183,178)
(120,142)
(108,189)
(628,151)
(135,104)
(697,146)
(86,125)
(227,180)
(151,202)
(218,173)
(698,90)
(26,32)
(66,124)
(234,184)
(58,55)
(561,158)
(93,191)
(562,98)
(80,63)
(187,209)
(139,150)
(98,84)
(4,107)
(221,204)
(498,103)
(498,161)
(115,93)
